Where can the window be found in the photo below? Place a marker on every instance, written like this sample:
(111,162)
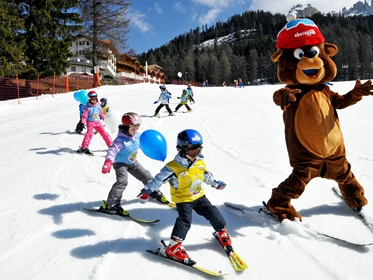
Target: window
(73,69)
(83,70)
(87,43)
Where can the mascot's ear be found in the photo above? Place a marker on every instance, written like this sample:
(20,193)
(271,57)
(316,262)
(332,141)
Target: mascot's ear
(276,55)
(330,49)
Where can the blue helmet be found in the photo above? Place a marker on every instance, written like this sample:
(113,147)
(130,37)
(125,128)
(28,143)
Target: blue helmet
(189,138)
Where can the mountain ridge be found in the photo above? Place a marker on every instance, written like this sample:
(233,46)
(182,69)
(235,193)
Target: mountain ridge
(359,8)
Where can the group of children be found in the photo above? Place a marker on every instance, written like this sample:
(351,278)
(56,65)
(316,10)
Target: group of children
(186,173)
(165,96)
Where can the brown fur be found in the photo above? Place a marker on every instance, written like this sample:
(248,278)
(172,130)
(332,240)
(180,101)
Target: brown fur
(313,135)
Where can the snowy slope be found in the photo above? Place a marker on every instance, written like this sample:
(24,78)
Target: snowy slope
(45,185)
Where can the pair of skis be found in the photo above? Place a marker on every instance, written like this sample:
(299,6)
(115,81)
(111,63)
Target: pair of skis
(360,213)
(126,214)
(236,261)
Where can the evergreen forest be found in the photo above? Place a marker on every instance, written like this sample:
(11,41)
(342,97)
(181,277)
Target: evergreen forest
(35,37)
(247,53)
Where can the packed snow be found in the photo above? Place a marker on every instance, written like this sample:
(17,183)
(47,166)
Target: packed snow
(45,184)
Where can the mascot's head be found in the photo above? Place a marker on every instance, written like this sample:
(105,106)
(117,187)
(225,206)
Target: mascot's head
(303,56)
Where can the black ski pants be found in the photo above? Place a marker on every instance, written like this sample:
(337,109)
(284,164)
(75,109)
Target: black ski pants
(179,105)
(203,207)
(161,106)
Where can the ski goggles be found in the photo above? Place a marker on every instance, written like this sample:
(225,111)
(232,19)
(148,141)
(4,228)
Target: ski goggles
(194,151)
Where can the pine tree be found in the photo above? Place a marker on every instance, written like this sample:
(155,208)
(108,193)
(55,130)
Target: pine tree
(11,43)
(49,26)
(253,66)
(224,68)
(213,72)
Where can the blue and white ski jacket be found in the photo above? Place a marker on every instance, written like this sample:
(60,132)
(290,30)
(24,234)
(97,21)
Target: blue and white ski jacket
(92,113)
(164,97)
(124,149)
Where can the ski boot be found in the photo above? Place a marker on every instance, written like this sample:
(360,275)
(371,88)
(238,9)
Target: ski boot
(176,251)
(84,151)
(224,239)
(158,195)
(115,209)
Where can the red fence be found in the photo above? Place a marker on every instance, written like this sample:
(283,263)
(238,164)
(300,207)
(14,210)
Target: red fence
(13,88)
(181,82)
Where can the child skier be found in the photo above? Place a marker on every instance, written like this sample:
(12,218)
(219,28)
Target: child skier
(190,93)
(105,107)
(80,126)
(122,156)
(184,101)
(91,117)
(164,98)
(186,173)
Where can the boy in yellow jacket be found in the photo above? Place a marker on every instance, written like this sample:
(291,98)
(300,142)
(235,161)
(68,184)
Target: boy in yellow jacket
(186,174)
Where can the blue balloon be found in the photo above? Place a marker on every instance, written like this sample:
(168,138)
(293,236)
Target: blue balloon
(153,144)
(76,96)
(81,96)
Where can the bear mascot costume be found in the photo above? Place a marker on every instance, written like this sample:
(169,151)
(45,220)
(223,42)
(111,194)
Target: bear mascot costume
(313,135)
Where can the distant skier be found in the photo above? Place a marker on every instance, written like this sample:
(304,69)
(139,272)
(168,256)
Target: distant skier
(186,174)
(240,83)
(190,93)
(105,107)
(164,98)
(184,101)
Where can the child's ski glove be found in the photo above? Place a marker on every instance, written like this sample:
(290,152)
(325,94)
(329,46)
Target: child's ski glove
(106,167)
(155,102)
(219,185)
(144,195)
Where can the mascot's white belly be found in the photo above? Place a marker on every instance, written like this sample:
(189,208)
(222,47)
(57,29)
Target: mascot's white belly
(317,126)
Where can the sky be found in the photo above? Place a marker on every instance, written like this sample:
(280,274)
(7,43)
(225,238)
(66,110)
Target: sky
(45,233)
(155,23)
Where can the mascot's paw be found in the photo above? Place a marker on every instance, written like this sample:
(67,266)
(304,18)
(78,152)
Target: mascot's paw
(353,194)
(357,201)
(284,96)
(361,90)
(283,211)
